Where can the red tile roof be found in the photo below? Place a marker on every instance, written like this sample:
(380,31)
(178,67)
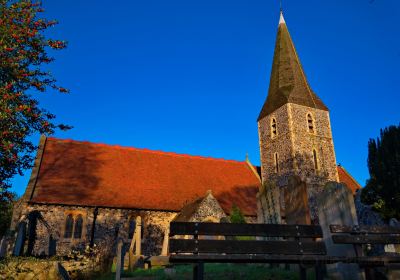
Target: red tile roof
(89,174)
(345,177)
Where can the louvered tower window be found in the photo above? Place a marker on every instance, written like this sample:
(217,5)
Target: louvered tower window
(274,130)
(310,123)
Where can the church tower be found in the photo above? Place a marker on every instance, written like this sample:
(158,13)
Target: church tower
(294,127)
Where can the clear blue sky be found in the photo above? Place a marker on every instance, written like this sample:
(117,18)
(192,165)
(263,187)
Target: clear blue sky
(191,76)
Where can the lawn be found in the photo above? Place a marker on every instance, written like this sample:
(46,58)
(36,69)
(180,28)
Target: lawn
(212,271)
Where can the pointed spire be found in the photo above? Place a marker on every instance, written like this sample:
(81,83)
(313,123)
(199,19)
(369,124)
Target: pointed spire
(288,83)
(281,19)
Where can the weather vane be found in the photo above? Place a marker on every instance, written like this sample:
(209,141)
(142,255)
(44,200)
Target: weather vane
(280,5)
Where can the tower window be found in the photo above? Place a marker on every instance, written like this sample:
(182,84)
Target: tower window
(310,123)
(273,128)
(276,162)
(315,160)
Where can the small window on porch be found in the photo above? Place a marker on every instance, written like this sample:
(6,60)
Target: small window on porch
(78,227)
(69,224)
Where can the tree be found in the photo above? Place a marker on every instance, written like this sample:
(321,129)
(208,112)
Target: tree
(237,216)
(23,55)
(6,206)
(383,187)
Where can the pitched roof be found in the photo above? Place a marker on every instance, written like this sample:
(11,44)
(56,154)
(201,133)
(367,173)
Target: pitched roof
(345,177)
(88,174)
(288,83)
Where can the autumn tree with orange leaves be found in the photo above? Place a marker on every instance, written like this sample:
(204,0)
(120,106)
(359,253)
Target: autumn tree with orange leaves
(23,53)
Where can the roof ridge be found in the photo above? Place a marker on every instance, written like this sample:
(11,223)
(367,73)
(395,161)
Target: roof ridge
(146,150)
(350,176)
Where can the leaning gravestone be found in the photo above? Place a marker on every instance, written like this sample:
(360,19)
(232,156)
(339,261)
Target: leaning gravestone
(336,206)
(20,240)
(3,247)
(297,211)
(268,206)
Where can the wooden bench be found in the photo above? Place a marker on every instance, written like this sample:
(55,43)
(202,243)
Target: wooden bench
(291,244)
(360,236)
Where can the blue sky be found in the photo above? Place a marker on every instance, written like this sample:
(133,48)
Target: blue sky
(191,76)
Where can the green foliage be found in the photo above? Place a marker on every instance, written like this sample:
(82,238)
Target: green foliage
(6,207)
(237,216)
(23,57)
(383,188)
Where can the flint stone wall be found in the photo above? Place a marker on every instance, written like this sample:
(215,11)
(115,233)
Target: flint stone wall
(209,210)
(294,145)
(110,224)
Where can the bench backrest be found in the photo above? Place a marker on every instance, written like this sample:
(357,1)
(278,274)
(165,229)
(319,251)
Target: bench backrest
(187,237)
(365,234)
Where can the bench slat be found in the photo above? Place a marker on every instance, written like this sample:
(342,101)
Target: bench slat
(366,239)
(364,229)
(247,247)
(249,258)
(228,229)
(364,261)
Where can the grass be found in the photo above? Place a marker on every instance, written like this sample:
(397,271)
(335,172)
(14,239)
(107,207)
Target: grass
(212,271)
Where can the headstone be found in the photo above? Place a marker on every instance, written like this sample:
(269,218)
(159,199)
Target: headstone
(164,250)
(395,248)
(3,247)
(336,206)
(395,223)
(297,211)
(135,246)
(20,240)
(61,272)
(268,203)
(52,246)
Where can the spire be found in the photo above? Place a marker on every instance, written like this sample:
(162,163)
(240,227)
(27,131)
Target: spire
(288,83)
(281,19)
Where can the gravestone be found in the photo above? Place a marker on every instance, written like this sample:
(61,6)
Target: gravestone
(336,206)
(395,248)
(297,211)
(395,223)
(268,204)
(20,240)
(3,247)
(52,246)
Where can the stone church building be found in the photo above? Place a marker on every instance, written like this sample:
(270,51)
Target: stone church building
(83,193)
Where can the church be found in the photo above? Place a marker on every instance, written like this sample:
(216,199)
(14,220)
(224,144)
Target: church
(83,193)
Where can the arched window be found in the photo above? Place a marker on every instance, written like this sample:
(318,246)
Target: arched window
(69,223)
(132,225)
(310,123)
(276,162)
(315,160)
(78,227)
(274,130)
